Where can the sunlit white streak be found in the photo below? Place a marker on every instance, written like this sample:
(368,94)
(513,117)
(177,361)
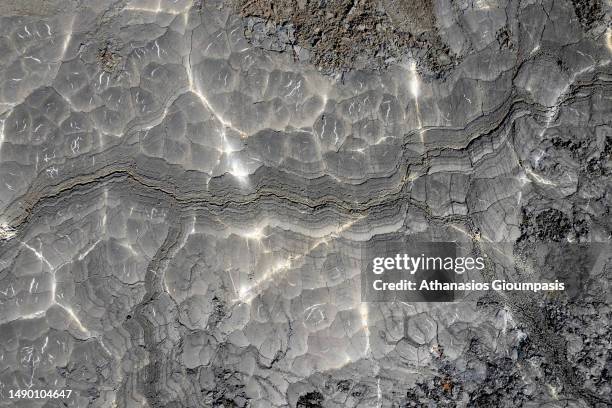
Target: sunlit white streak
(414,80)
(507,314)
(2,121)
(32,316)
(256,232)
(44,346)
(415,91)
(248,293)
(101,342)
(9,105)
(539,179)
(88,250)
(105,205)
(192,230)
(238,170)
(67,40)
(363,312)
(39,255)
(74,318)
(194,87)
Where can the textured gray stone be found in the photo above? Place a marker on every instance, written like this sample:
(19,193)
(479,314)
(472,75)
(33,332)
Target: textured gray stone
(185,196)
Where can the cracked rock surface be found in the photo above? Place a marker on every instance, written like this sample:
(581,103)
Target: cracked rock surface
(186,189)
